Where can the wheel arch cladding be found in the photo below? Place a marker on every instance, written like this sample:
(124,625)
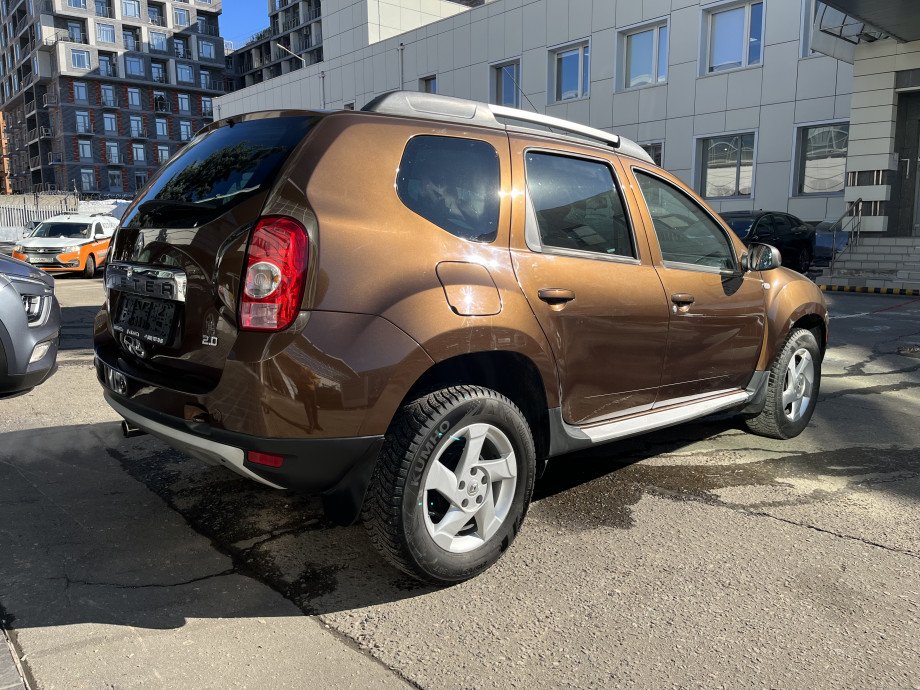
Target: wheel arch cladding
(797,304)
(512,374)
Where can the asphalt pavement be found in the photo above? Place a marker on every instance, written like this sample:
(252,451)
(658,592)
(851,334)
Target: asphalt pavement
(699,556)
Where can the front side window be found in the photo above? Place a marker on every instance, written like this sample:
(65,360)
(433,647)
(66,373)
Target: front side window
(727,165)
(736,37)
(647,57)
(686,234)
(507,84)
(822,158)
(577,205)
(572,72)
(453,183)
(79,59)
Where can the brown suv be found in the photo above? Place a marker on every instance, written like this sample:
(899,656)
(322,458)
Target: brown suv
(410,309)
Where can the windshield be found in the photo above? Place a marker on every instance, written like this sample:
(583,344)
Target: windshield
(740,226)
(68,230)
(218,170)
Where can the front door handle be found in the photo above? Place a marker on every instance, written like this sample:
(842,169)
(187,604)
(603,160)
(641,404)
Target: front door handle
(556,296)
(682,302)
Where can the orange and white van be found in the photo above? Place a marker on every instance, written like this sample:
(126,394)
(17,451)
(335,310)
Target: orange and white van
(68,243)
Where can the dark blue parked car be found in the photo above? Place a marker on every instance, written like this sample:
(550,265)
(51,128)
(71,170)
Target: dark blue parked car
(30,324)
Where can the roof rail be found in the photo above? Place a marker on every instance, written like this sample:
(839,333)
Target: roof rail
(432,106)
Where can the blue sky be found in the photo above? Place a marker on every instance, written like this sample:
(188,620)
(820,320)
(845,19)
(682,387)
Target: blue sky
(242,18)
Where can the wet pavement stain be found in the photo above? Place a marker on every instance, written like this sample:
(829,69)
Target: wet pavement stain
(607,500)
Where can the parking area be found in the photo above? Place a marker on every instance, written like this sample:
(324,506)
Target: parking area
(698,556)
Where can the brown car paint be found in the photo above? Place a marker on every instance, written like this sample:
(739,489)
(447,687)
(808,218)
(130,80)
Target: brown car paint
(380,308)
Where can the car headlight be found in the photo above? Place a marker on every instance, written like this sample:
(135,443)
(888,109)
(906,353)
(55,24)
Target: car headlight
(17,248)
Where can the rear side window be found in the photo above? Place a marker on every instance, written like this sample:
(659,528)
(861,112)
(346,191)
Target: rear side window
(577,205)
(453,183)
(218,170)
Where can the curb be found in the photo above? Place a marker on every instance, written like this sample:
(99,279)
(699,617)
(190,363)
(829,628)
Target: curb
(11,676)
(903,292)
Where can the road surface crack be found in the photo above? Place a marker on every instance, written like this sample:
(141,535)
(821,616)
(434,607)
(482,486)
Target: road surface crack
(153,585)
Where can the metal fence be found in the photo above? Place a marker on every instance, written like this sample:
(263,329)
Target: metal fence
(18,212)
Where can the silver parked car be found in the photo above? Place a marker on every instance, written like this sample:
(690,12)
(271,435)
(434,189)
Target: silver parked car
(30,324)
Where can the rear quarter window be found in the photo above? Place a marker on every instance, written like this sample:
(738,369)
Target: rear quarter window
(453,183)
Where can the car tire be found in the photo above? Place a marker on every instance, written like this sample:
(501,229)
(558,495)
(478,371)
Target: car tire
(90,269)
(452,484)
(791,396)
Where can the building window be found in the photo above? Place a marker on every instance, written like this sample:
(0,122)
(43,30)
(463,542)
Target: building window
(185,130)
(79,59)
(727,165)
(507,80)
(79,92)
(183,18)
(348,106)
(428,84)
(822,158)
(139,153)
(140,180)
(77,4)
(137,125)
(204,80)
(131,8)
(134,66)
(86,150)
(185,103)
(108,95)
(207,106)
(76,33)
(162,153)
(134,97)
(571,72)
(206,50)
(88,180)
(655,151)
(158,41)
(83,123)
(162,128)
(736,37)
(184,73)
(110,123)
(647,56)
(111,153)
(115,184)
(105,33)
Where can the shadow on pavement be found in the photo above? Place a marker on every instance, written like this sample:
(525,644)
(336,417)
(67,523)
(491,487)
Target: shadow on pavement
(83,542)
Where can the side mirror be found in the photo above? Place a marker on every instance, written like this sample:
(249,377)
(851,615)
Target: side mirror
(763,257)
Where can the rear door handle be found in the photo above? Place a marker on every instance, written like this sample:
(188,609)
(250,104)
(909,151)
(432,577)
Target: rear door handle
(556,296)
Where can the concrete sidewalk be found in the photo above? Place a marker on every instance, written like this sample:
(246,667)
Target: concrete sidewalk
(10,678)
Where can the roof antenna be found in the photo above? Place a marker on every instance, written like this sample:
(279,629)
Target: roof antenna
(521,91)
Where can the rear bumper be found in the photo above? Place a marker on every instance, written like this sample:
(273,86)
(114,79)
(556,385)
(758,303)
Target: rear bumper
(337,468)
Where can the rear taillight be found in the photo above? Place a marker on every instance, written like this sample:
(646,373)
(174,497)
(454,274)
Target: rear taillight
(276,270)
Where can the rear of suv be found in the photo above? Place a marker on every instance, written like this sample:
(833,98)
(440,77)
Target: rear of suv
(411,308)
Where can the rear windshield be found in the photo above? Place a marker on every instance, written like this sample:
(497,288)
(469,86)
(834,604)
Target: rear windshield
(217,170)
(68,230)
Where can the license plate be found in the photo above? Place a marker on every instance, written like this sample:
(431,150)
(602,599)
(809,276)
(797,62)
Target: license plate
(151,320)
(41,259)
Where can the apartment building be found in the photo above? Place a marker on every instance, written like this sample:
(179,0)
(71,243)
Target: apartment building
(728,94)
(293,39)
(97,94)
(5,187)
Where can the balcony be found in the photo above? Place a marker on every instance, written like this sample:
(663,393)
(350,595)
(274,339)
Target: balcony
(108,70)
(32,135)
(139,134)
(208,29)
(49,99)
(35,162)
(156,19)
(103,11)
(110,103)
(54,158)
(114,158)
(161,106)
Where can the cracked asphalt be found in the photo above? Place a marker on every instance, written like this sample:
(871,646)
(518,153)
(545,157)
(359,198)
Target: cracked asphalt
(700,556)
